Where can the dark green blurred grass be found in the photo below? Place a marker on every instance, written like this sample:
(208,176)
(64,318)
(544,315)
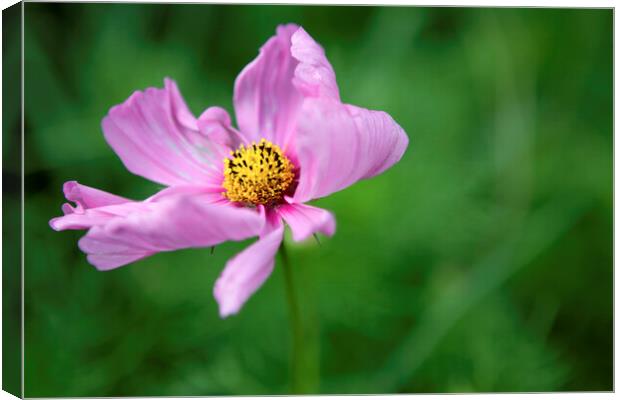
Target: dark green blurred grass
(481,262)
(11,201)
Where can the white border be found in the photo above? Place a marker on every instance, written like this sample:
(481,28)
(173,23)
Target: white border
(480,3)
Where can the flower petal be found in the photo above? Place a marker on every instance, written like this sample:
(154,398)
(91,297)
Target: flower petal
(95,216)
(314,75)
(265,99)
(208,194)
(96,207)
(269,90)
(306,220)
(339,144)
(87,197)
(173,223)
(247,271)
(157,137)
(214,123)
(92,207)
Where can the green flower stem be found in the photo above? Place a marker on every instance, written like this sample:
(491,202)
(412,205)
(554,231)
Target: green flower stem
(298,354)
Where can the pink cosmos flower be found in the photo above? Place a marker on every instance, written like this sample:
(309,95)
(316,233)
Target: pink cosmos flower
(296,142)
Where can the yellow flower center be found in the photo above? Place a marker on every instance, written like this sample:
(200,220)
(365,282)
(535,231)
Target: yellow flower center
(257,174)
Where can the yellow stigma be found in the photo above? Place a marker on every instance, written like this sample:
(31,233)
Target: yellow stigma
(257,174)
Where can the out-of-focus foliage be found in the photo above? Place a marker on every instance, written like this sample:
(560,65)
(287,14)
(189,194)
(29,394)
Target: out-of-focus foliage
(481,262)
(11,201)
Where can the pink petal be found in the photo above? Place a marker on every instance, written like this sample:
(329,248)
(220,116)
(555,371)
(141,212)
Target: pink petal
(157,137)
(174,223)
(265,99)
(306,220)
(247,271)
(95,216)
(269,90)
(96,207)
(339,144)
(209,194)
(92,207)
(86,197)
(214,123)
(314,75)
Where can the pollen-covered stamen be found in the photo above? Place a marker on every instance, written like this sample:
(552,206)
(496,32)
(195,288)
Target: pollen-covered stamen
(257,174)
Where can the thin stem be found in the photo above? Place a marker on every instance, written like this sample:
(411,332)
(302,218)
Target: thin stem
(295,324)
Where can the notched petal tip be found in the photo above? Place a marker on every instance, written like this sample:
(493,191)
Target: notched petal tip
(314,75)
(169,82)
(70,189)
(287,30)
(300,33)
(67,209)
(54,224)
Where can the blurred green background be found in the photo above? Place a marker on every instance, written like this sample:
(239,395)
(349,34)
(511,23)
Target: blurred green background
(481,262)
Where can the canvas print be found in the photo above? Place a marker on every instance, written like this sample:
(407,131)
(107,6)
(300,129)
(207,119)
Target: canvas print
(274,200)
